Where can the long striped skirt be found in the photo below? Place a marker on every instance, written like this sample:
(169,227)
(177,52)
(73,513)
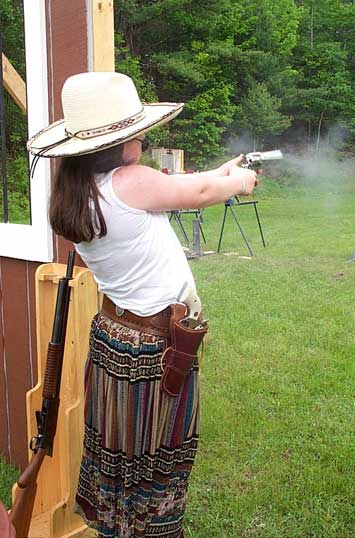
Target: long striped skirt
(139,443)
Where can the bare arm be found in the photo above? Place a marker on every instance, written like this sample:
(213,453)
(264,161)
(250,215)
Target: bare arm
(222,170)
(145,188)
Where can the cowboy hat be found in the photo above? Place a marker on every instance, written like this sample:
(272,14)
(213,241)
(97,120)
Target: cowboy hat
(100,110)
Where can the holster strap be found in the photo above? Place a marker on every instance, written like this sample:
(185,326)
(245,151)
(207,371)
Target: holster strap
(177,367)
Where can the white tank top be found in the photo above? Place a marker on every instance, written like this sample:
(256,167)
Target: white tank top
(140,264)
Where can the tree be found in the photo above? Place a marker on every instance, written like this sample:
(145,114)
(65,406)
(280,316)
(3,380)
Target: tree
(322,96)
(206,118)
(182,56)
(224,58)
(259,115)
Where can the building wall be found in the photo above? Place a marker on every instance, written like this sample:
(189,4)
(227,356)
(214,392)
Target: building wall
(67,50)
(18,370)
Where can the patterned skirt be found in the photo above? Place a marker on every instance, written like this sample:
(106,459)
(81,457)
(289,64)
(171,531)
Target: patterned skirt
(139,443)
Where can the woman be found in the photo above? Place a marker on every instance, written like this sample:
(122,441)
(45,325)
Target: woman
(140,441)
(7,530)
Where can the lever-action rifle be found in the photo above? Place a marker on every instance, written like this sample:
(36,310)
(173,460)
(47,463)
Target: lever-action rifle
(42,444)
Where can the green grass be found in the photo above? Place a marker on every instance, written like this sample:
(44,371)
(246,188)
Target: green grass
(277,452)
(8,476)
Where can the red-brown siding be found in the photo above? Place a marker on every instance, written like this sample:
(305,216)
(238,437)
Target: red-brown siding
(4,441)
(67,55)
(15,298)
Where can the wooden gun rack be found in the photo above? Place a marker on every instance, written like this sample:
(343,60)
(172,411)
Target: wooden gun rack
(53,515)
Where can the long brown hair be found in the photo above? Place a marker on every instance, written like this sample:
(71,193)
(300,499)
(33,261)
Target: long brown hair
(74,210)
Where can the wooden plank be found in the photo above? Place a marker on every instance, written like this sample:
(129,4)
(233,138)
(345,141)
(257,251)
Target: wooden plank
(13,83)
(103,35)
(40,527)
(16,342)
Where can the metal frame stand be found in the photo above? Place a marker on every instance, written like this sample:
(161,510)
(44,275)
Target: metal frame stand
(176,216)
(229,205)
(253,202)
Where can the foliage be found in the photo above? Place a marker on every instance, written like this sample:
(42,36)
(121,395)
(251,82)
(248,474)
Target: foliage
(324,60)
(18,190)
(276,70)
(12,33)
(185,57)
(278,66)
(17,168)
(205,120)
(8,476)
(259,114)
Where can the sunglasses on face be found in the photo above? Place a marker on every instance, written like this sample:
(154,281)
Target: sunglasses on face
(145,143)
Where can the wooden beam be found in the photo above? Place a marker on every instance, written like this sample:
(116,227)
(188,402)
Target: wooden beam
(103,35)
(13,83)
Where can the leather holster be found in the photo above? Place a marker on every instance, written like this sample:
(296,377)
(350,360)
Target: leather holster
(181,355)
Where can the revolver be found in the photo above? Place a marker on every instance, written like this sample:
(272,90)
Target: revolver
(255,159)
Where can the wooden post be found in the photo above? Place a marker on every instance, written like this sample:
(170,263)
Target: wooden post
(13,83)
(103,35)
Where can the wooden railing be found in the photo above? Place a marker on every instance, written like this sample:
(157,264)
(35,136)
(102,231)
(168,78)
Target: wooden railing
(13,83)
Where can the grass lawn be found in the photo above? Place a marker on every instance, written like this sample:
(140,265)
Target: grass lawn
(277,454)
(8,476)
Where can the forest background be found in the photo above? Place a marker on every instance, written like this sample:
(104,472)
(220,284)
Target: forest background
(254,74)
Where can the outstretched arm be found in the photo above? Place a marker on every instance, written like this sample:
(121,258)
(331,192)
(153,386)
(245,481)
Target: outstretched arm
(145,188)
(222,170)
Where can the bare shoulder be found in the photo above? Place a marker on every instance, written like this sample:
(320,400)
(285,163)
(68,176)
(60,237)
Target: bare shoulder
(136,184)
(136,174)
(143,187)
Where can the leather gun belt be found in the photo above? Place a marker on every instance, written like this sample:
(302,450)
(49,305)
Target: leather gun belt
(157,324)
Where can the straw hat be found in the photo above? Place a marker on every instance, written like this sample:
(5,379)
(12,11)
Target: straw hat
(100,110)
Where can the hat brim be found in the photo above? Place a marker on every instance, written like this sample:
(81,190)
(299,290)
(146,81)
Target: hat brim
(54,137)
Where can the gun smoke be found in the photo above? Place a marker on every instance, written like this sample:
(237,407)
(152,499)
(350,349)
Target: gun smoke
(322,164)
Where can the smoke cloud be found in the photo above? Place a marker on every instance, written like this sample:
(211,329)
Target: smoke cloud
(322,163)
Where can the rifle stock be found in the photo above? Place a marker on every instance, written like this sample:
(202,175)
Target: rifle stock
(42,444)
(21,512)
